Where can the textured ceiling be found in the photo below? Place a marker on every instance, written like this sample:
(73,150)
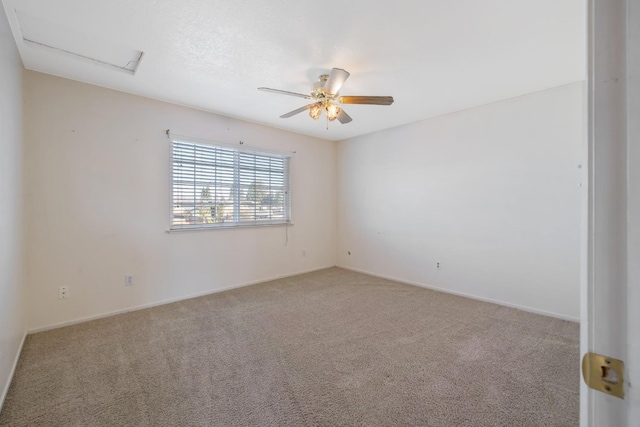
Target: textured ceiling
(433,57)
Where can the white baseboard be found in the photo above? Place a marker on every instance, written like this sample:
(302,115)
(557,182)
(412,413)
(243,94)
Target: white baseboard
(13,372)
(462,294)
(168,301)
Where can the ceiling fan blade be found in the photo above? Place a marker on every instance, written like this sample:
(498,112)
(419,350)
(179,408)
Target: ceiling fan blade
(296,111)
(370,100)
(284,92)
(336,79)
(343,117)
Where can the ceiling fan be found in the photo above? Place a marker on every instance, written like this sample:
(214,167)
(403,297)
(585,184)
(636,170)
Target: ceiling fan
(325,96)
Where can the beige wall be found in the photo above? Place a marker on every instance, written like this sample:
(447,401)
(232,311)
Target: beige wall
(492,193)
(12,327)
(97,206)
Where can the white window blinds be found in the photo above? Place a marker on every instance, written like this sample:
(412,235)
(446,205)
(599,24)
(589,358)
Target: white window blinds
(217,186)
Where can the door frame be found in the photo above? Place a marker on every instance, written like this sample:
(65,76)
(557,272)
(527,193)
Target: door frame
(610,272)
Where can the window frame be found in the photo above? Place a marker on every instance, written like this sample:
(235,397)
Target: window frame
(236,223)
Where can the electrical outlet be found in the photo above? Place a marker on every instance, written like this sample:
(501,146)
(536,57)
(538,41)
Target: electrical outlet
(63,292)
(128,280)
(438,265)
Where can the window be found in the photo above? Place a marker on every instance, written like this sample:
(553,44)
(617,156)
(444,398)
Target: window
(216,186)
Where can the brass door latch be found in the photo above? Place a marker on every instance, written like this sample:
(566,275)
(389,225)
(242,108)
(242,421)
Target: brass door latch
(604,374)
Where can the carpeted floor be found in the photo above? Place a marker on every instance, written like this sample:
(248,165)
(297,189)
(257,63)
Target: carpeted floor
(330,348)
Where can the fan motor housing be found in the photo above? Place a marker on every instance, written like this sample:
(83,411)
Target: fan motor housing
(319,85)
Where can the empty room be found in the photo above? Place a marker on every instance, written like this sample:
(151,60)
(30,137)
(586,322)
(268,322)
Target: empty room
(287,213)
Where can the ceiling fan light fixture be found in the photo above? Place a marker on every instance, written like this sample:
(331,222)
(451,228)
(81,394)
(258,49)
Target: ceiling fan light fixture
(332,111)
(315,111)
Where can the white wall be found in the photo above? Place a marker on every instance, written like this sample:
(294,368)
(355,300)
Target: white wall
(97,206)
(12,327)
(491,193)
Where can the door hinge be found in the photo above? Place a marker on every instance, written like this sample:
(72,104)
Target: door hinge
(604,374)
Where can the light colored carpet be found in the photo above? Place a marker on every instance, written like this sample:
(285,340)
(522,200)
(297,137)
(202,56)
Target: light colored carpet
(330,348)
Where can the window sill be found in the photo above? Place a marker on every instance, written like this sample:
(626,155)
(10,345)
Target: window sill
(227,227)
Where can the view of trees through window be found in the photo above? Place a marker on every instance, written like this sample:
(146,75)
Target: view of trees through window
(222,186)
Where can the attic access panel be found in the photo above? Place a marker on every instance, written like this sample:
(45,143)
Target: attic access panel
(40,33)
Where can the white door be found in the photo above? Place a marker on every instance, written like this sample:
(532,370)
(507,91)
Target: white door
(610,302)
